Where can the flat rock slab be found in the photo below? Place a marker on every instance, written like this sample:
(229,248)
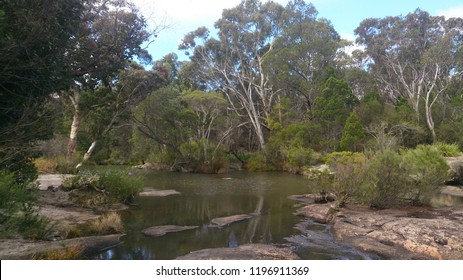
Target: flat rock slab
(416,233)
(158,193)
(320,213)
(162,230)
(453,191)
(25,249)
(225,221)
(243,252)
(51,180)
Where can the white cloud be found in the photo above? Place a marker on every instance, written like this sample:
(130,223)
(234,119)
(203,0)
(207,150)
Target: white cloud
(452,12)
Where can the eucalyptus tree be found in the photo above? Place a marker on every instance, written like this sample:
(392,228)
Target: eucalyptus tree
(233,63)
(302,52)
(414,56)
(110,34)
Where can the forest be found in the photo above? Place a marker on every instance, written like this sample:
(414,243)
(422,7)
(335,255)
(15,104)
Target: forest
(271,88)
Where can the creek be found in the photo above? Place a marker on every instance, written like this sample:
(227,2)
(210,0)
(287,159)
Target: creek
(205,197)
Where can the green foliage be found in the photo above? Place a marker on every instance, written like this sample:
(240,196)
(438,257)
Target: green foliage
(386,178)
(104,189)
(427,171)
(353,134)
(18,210)
(385,181)
(447,150)
(300,157)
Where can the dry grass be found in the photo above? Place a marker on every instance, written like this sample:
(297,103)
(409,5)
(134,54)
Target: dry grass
(71,252)
(45,165)
(107,224)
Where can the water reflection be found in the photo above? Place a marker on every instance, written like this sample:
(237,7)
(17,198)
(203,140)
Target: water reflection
(204,197)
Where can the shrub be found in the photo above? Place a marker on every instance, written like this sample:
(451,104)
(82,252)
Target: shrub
(427,172)
(387,179)
(18,211)
(104,189)
(299,157)
(45,165)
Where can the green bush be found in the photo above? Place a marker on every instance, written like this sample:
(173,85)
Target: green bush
(388,179)
(18,211)
(427,171)
(299,157)
(385,181)
(96,190)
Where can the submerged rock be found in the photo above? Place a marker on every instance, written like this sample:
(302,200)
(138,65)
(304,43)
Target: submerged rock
(162,230)
(243,252)
(225,221)
(158,193)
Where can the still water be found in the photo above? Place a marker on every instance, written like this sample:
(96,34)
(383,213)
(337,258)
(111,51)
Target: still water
(204,197)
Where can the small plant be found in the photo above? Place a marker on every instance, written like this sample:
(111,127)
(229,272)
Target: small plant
(447,150)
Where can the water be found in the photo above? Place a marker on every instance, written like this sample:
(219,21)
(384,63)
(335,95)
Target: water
(204,197)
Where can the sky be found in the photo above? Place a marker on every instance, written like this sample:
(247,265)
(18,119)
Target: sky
(183,16)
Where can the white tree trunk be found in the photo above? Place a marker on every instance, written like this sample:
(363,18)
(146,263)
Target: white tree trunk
(74,126)
(87,154)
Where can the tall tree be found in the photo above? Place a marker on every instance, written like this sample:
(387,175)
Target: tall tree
(234,63)
(413,56)
(306,47)
(111,33)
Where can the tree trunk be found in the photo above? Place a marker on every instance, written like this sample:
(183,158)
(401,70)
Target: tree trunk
(74,126)
(87,154)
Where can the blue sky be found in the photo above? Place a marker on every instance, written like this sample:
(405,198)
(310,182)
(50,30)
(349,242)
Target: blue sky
(183,16)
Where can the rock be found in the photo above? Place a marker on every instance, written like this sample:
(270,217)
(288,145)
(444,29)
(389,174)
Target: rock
(162,230)
(158,193)
(225,221)
(26,249)
(243,252)
(456,169)
(314,172)
(320,213)
(313,198)
(51,181)
(452,190)
(416,233)
(145,166)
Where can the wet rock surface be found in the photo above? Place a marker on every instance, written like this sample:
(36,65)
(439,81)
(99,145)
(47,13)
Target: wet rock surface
(243,252)
(163,230)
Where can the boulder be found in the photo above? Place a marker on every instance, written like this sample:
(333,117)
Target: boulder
(243,252)
(456,169)
(162,230)
(320,213)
